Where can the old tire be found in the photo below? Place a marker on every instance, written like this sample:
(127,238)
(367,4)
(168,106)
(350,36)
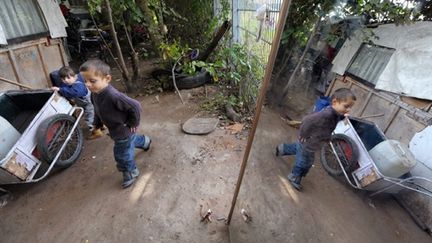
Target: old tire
(52,133)
(190,82)
(347,152)
(183,81)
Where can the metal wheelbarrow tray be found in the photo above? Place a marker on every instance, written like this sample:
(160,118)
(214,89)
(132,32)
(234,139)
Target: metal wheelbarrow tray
(351,158)
(45,134)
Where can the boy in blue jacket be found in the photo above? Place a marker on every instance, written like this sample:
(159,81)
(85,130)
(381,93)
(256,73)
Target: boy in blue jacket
(72,87)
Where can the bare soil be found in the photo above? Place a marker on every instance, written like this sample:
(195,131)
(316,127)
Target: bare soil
(85,203)
(327,210)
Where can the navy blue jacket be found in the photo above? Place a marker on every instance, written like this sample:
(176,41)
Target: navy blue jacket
(76,90)
(117,111)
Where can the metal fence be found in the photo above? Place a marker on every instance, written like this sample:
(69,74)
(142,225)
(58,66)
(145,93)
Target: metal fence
(247,25)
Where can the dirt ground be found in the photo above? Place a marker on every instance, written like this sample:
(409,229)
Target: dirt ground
(327,210)
(85,202)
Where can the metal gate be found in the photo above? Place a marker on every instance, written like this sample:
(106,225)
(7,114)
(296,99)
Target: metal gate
(247,23)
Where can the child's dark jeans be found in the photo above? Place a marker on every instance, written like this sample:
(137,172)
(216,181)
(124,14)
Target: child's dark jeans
(303,158)
(124,151)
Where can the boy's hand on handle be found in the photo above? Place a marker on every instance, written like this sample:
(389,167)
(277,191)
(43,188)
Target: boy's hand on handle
(302,140)
(133,129)
(55,88)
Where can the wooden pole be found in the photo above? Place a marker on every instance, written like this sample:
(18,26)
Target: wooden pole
(16,83)
(267,76)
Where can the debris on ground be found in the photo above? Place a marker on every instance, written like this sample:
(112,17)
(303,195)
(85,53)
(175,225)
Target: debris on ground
(206,218)
(246,216)
(293,123)
(235,128)
(222,219)
(5,196)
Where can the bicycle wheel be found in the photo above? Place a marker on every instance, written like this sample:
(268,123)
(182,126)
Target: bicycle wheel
(51,135)
(347,152)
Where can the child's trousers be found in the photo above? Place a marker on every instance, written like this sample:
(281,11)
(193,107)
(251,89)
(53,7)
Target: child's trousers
(86,104)
(124,151)
(303,158)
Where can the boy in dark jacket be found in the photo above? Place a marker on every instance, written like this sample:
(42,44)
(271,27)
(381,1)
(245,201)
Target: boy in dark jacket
(316,128)
(72,87)
(120,114)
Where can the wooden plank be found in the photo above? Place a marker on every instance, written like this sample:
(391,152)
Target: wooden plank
(330,88)
(14,66)
(418,103)
(31,68)
(15,83)
(391,118)
(403,127)
(368,97)
(361,95)
(44,66)
(63,54)
(24,45)
(6,71)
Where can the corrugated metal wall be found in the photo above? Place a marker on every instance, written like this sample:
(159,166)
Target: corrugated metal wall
(369,62)
(21,18)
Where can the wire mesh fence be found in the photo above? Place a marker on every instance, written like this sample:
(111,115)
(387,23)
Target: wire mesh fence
(254,24)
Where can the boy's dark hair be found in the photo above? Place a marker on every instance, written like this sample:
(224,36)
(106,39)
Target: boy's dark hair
(343,94)
(98,67)
(66,72)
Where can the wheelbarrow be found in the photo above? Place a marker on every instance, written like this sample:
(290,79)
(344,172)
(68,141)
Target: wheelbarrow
(360,151)
(38,131)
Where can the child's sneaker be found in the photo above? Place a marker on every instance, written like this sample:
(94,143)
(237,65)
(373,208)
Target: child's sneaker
(295,181)
(129,177)
(95,133)
(279,150)
(147,143)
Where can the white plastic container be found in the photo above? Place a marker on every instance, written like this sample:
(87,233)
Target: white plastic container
(392,158)
(8,137)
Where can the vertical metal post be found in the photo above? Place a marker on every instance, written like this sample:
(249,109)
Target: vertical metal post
(215,7)
(235,18)
(263,90)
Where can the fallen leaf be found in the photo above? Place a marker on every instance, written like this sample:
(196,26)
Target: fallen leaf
(235,128)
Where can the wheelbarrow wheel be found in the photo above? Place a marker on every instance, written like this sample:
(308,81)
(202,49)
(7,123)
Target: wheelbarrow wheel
(347,152)
(51,135)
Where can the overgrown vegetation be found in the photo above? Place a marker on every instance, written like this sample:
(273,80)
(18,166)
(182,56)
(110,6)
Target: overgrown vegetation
(237,73)
(176,29)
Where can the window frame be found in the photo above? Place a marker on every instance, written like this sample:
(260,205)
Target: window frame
(362,80)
